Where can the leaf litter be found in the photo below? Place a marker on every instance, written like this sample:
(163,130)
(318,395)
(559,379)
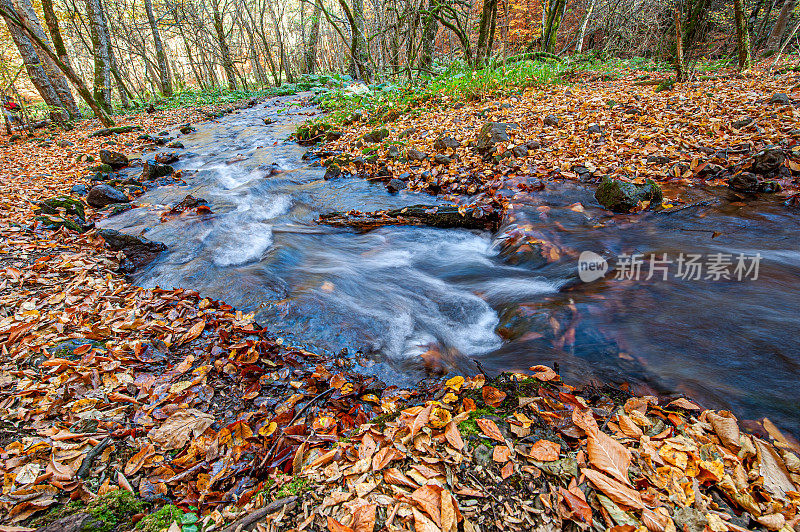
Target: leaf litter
(178,398)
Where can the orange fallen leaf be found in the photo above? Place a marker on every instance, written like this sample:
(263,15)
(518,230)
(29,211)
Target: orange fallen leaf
(489,428)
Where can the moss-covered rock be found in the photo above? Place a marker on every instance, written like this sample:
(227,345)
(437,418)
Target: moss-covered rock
(624,197)
(376,135)
(111,511)
(71,206)
(160,520)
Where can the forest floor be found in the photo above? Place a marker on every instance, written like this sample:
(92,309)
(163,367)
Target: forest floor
(117,400)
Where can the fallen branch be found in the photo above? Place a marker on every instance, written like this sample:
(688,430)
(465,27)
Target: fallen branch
(259,514)
(441,216)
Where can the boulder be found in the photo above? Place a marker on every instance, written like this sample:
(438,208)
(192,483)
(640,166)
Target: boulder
(492,133)
(658,160)
(551,120)
(407,132)
(750,182)
(440,158)
(520,151)
(154,170)
(395,185)
(102,195)
(168,157)
(114,159)
(595,129)
(333,171)
(80,190)
(176,144)
(186,129)
(767,160)
(445,142)
(376,135)
(394,151)
(780,98)
(70,206)
(624,197)
(415,155)
(138,250)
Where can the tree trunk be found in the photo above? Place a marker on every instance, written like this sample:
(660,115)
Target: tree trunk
(779,29)
(310,55)
(57,79)
(8,12)
(680,67)
(483,48)
(227,62)
(102,54)
(555,12)
(429,31)
(742,37)
(359,54)
(161,57)
(584,25)
(36,72)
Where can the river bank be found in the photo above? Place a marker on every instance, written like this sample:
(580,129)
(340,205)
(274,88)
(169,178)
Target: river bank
(138,403)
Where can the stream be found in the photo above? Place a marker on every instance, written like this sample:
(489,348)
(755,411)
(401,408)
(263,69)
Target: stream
(411,301)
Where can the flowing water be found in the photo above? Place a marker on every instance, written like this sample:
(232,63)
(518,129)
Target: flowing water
(457,296)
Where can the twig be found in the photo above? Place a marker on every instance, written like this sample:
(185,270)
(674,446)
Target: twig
(86,465)
(255,516)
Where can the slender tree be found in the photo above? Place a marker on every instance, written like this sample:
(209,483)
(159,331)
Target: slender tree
(161,57)
(742,36)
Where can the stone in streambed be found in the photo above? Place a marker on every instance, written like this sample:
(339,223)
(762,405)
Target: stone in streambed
(445,142)
(767,160)
(71,207)
(492,133)
(395,185)
(376,135)
(154,170)
(114,159)
(621,196)
(102,195)
(138,251)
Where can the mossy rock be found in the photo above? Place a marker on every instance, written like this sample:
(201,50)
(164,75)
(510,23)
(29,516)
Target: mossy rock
(624,197)
(106,131)
(71,206)
(102,168)
(376,135)
(105,513)
(57,222)
(160,520)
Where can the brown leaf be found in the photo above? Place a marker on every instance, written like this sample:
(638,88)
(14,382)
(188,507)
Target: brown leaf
(773,470)
(492,396)
(336,526)
(656,521)
(429,498)
(394,476)
(364,518)
(607,454)
(421,420)
(422,523)
(136,461)
(507,470)
(629,428)
(194,332)
(614,490)
(179,427)
(489,428)
(382,458)
(545,451)
(684,403)
(501,454)
(453,436)
(726,427)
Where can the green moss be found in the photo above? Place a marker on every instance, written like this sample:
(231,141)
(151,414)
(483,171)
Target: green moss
(160,520)
(469,426)
(110,509)
(55,513)
(295,487)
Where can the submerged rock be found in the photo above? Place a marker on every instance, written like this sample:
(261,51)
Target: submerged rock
(102,195)
(395,185)
(138,250)
(154,170)
(621,196)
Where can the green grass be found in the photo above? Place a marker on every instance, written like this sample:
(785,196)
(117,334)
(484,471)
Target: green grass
(469,426)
